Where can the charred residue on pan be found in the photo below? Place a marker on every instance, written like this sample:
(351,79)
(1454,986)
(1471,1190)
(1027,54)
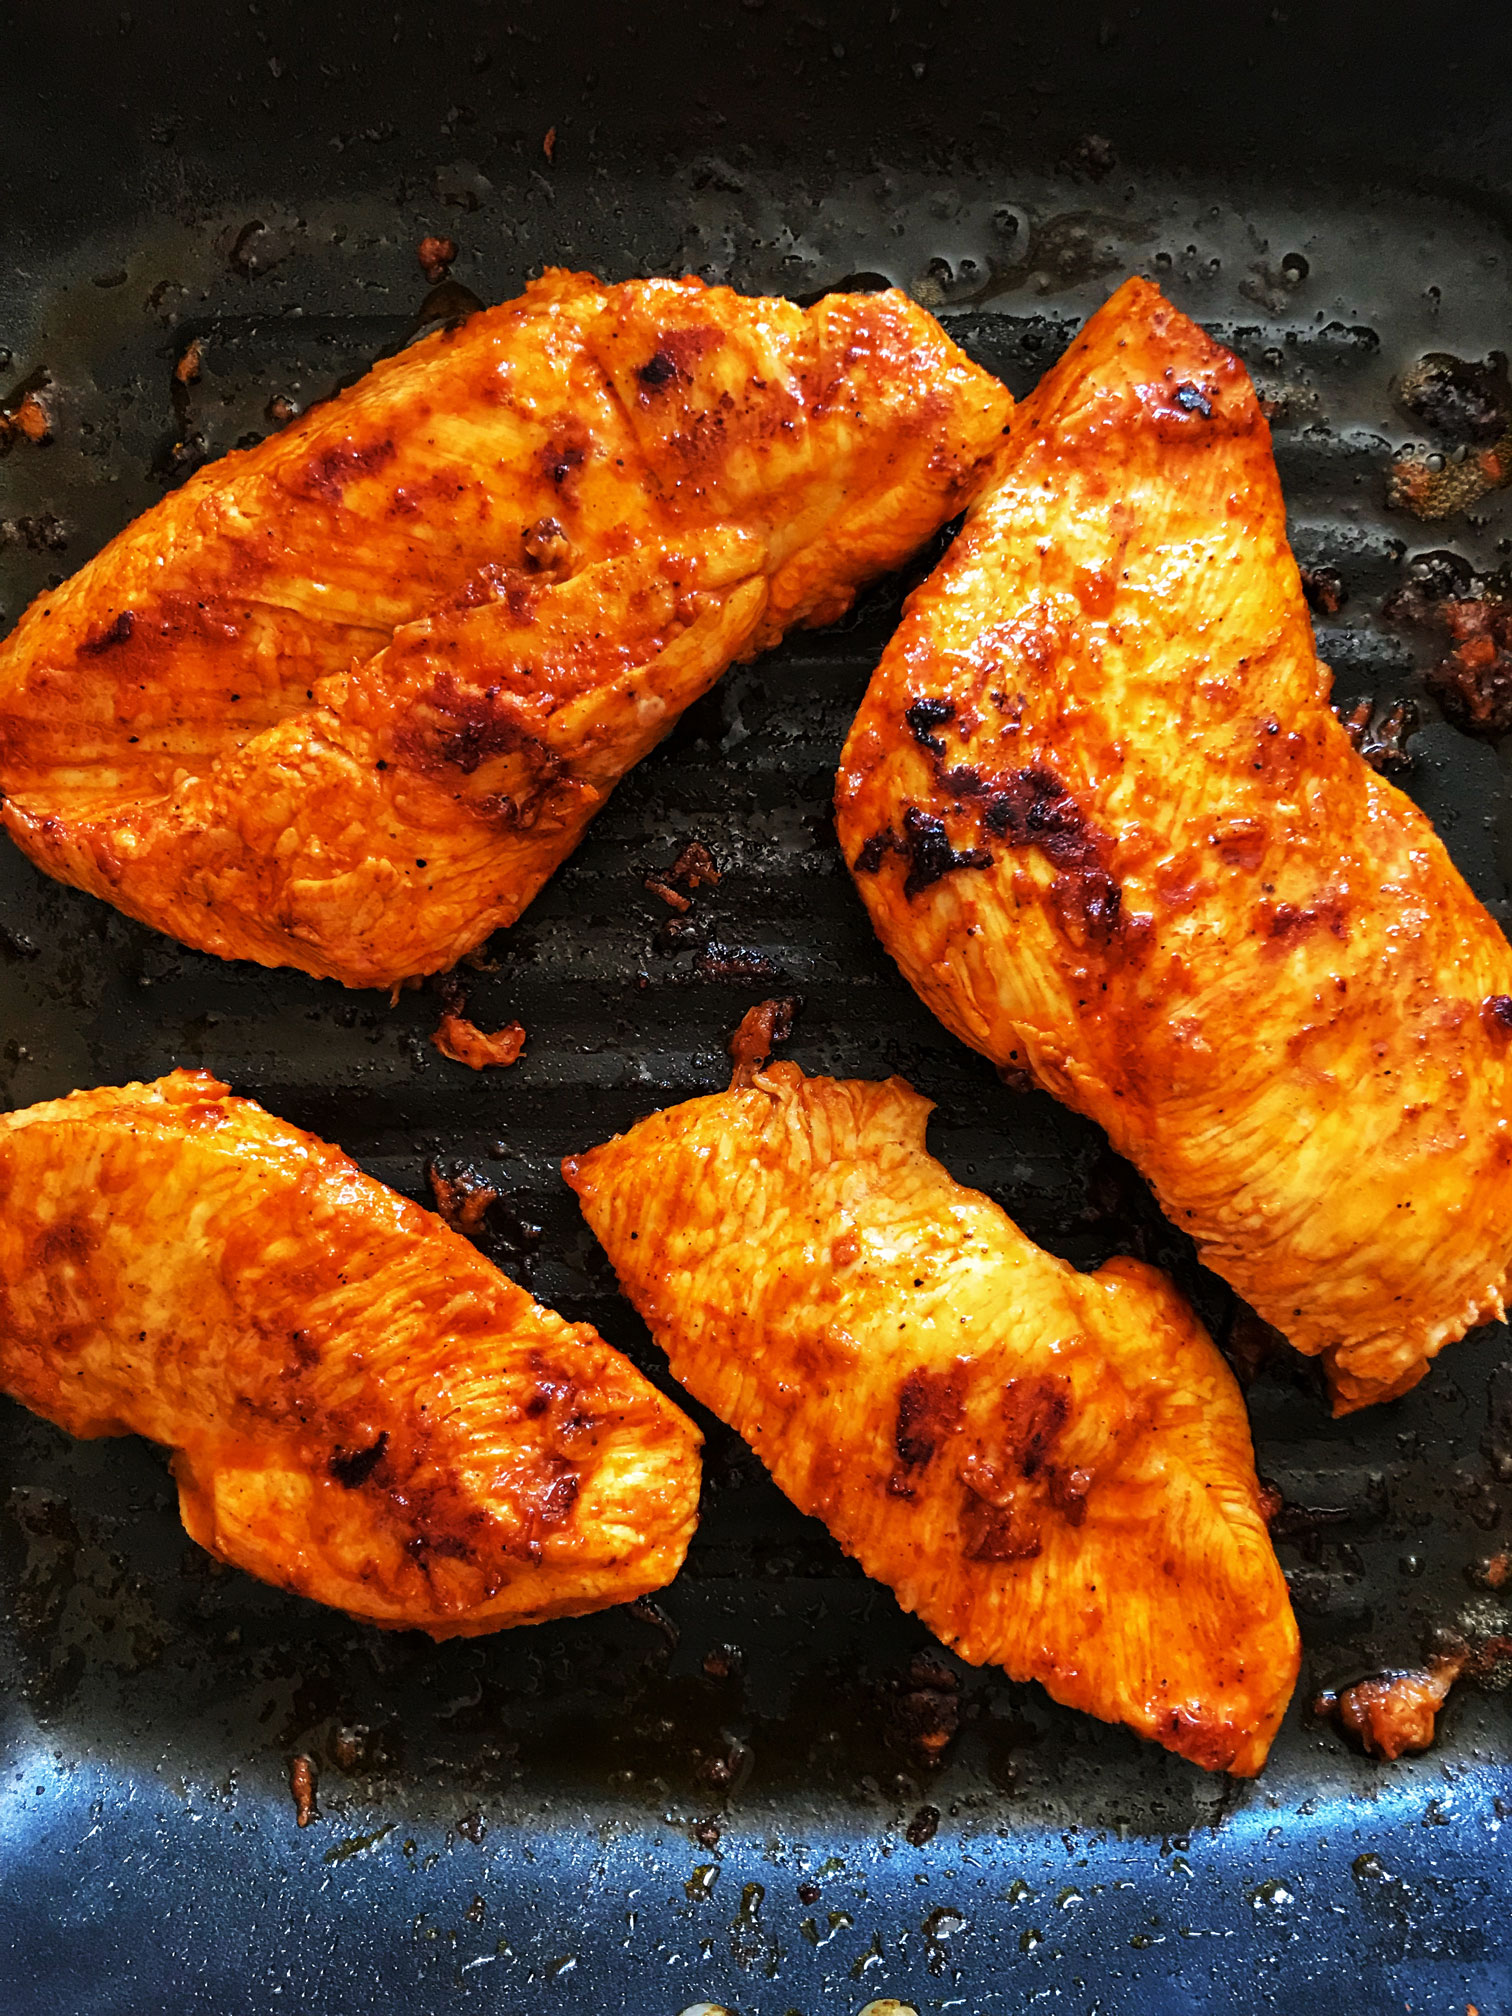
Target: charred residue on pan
(1443,597)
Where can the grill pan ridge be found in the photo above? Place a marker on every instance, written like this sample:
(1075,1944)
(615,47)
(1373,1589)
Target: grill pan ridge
(722,1796)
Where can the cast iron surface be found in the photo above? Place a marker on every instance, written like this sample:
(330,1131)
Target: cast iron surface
(719,1800)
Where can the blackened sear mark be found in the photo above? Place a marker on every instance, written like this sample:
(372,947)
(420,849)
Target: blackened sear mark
(118,632)
(912,1439)
(992,1532)
(353,1467)
(926,715)
(876,850)
(1035,1412)
(965,780)
(658,369)
(1498,1013)
(1032,808)
(929,1408)
(930,854)
(562,461)
(466,728)
(1192,399)
(328,473)
(447,1546)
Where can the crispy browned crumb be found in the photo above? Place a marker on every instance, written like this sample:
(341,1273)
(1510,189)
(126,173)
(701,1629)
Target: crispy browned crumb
(187,369)
(673,898)
(31,420)
(436,256)
(695,868)
(1383,743)
(1392,1713)
(462,1199)
(302,1785)
(548,145)
(465,1043)
(761,1029)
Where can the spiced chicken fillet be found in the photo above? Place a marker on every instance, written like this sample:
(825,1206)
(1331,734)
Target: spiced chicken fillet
(1105,821)
(346,699)
(361,1408)
(1052,1469)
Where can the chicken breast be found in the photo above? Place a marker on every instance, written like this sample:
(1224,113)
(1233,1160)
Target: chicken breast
(361,1408)
(346,699)
(1052,1469)
(1105,821)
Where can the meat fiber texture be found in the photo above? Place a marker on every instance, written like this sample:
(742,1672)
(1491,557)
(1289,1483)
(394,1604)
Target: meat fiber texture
(1052,1469)
(346,700)
(361,1407)
(1105,821)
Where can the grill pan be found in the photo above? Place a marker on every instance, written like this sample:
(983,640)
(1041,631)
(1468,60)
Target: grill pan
(721,1797)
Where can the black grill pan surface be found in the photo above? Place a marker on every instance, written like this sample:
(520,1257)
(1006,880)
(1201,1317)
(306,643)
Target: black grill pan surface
(721,1797)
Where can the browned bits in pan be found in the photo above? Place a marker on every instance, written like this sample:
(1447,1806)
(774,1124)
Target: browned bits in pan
(761,1029)
(1442,594)
(693,869)
(302,1785)
(28,420)
(436,256)
(1468,406)
(1324,589)
(465,1043)
(1382,742)
(462,1198)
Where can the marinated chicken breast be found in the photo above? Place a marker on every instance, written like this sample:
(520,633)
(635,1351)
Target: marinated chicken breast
(1105,821)
(361,1408)
(346,699)
(1052,1469)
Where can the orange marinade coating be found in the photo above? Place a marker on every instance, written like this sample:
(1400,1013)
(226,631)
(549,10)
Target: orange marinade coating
(361,1408)
(1107,824)
(1052,1469)
(346,699)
